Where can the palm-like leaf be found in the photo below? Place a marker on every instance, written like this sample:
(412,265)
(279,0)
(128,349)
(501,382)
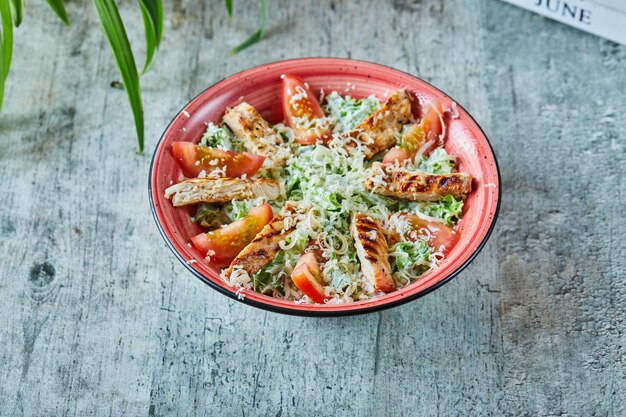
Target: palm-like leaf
(6,43)
(116,35)
(18,11)
(229,7)
(59,8)
(256,36)
(152,12)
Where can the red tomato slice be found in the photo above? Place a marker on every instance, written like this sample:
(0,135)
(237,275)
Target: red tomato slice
(395,154)
(223,245)
(440,235)
(429,130)
(307,276)
(299,102)
(194,159)
(432,124)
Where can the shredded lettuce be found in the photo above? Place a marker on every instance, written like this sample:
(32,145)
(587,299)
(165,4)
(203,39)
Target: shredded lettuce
(438,162)
(348,112)
(409,255)
(326,184)
(331,186)
(339,279)
(448,209)
(211,217)
(220,137)
(240,208)
(269,278)
(285,132)
(375,199)
(332,181)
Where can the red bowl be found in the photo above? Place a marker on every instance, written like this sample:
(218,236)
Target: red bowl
(260,86)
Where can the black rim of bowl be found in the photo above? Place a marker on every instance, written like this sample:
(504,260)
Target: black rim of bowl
(323,313)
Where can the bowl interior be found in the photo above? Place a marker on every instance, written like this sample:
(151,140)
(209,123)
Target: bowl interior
(261,87)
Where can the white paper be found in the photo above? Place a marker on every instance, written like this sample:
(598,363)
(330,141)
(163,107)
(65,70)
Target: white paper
(606,18)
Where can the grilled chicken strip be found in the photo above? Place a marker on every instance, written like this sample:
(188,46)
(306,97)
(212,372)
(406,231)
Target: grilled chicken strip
(220,190)
(257,134)
(264,246)
(372,250)
(380,130)
(390,180)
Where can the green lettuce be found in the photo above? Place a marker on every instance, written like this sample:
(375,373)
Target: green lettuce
(268,279)
(438,162)
(240,208)
(408,255)
(220,137)
(348,112)
(211,217)
(448,209)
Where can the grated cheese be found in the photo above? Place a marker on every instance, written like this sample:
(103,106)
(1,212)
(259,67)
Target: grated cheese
(455,110)
(321,186)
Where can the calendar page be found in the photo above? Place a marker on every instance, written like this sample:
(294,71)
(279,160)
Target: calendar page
(605,18)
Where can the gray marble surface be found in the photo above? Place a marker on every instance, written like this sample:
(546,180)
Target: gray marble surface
(98,317)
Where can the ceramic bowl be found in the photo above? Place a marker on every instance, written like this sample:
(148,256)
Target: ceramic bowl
(261,86)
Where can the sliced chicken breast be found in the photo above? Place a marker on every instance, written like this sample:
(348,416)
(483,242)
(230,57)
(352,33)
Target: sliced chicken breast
(264,247)
(257,134)
(381,130)
(390,180)
(372,250)
(220,190)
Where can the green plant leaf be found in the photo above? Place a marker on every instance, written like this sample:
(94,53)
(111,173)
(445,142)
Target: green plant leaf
(152,12)
(59,8)
(6,42)
(123,54)
(229,7)
(7,37)
(1,78)
(256,36)
(18,11)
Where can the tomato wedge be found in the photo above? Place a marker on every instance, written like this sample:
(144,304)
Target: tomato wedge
(194,159)
(415,137)
(395,154)
(440,236)
(432,123)
(307,276)
(302,112)
(223,245)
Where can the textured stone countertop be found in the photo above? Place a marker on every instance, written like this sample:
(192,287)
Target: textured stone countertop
(98,318)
